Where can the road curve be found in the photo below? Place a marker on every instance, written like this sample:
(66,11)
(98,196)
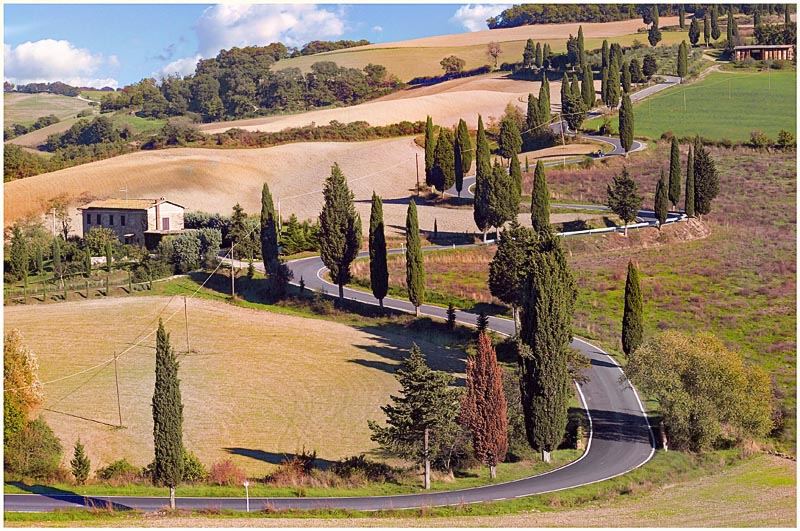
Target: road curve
(620,438)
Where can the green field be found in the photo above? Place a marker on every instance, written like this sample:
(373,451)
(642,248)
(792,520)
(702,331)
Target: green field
(721,106)
(26,108)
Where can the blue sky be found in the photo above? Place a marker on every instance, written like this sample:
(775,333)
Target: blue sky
(119,44)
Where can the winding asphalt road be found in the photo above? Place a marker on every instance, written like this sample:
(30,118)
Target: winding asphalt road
(620,438)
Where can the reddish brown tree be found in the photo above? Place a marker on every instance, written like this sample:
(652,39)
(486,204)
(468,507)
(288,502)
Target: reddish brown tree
(483,410)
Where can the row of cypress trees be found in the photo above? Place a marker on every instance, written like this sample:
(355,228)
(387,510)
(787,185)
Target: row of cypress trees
(448,156)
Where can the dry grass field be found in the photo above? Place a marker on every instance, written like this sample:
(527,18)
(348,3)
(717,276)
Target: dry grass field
(39,137)
(19,108)
(256,384)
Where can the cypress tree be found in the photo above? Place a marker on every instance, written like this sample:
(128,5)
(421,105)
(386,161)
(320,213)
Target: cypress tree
(613,84)
(547,53)
(694,31)
(756,18)
(654,35)
(606,59)
(575,89)
(675,184)
(378,268)
(540,201)
(167,417)
(444,172)
(632,318)
(527,165)
(508,268)
(626,124)
(516,177)
(430,149)
(654,16)
(270,250)
(661,206)
(532,114)
(706,179)
(503,200)
(109,257)
(57,271)
(484,408)
(604,85)
(626,78)
(689,200)
(587,87)
(623,199)
(415,271)
(549,298)
(87,263)
(339,228)
(539,58)
(682,16)
(707,27)
(565,90)
(18,255)
(636,70)
(481,323)
(483,174)
(544,100)
(528,55)
(732,31)
(510,141)
(451,316)
(683,60)
(715,32)
(80,463)
(39,259)
(463,154)
(581,48)
(787,18)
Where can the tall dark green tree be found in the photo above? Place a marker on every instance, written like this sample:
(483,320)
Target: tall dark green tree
(80,464)
(463,154)
(415,270)
(528,55)
(539,57)
(58,270)
(683,60)
(515,171)
(675,184)
(689,199)
(532,113)
(378,268)
(707,27)
(715,32)
(654,35)
(540,201)
(167,417)
(626,77)
(682,16)
(605,55)
(587,87)
(510,141)
(508,268)
(483,174)
(604,85)
(636,71)
(544,100)
(581,48)
(732,31)
(19,256)
(623,198)
(756,18)
(421,422)
(277,273)
(613,85)
(694,31)
(546,333)
(706,179)
(661,204)
(444,171)
(626,124)
(503,199)
(632,316)
(430,149)
(339,228)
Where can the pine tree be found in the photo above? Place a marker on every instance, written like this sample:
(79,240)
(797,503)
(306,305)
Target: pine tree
(430,149)
(707,27)
(507,270)
(682,16)
(623,199)
(689,200)
(626,124)
(483,174)
(484,408)
(661,206)
(694,31)
(605,57)
(167,417)
(544,100)
(683,60)
(675,184)
(581,48)
(715,32)
(415,271)
(451,317)
(426,410)
(443,174)
(339,228)
(528,55)
(540,200)
(587,87)
(549,299)
(378,268)
(80,463)
(706,179)
(626,78)
(463,154)
(539,57)
(632,318)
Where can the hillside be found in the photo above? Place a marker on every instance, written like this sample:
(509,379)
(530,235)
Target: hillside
(24,109)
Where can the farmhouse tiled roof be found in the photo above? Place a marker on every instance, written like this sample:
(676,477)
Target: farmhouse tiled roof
(763,47)
(126,204)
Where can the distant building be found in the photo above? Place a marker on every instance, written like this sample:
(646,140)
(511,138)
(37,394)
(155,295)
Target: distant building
(764,52)
(134,221)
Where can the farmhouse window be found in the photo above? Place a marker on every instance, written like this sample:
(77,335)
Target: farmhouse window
(88,219)
(122,220)
(98,220)
(111,219)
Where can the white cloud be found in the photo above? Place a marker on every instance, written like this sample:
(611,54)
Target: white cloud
(225,26)
(49,60)
(377,29)
(182,67)
(473,16)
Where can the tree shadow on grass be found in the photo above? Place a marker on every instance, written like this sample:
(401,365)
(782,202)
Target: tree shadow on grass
(61,495)
(274,458)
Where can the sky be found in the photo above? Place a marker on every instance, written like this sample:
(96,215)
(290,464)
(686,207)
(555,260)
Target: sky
(114,45)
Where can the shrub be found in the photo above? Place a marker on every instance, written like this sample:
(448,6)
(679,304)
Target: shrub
(358,466)
(210,242)
(119,472)
(85,113)
(294,470)
(193,469)
(96,239)
(226,473)
(759,140)
(34,452)
(785,139)
(605,128)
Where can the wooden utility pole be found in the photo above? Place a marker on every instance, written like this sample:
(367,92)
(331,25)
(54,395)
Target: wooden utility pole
(427,479)
(186,318)
(416,165)
(116,379)
(233,275)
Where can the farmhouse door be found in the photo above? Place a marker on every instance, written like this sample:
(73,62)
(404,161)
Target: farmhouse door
(164,223)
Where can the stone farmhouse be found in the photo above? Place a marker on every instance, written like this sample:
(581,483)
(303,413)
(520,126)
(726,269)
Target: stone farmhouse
(764,52)
(134,221)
